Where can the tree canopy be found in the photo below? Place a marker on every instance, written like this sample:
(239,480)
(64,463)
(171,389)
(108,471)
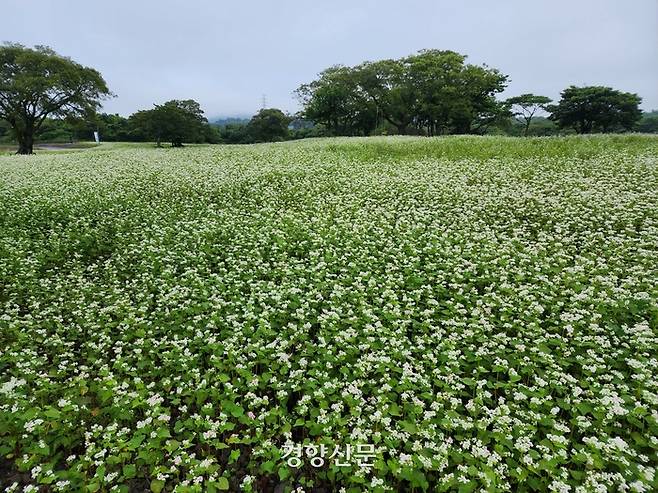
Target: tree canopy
(175,121)
(596,109)
(434,92)
(44,95)
(526,106)
(37,83)
(268,125)
(337,101)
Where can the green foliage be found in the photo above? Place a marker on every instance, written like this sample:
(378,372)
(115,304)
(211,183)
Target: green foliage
(648,123)
(525,107)
(388,86)
(212,134)
(268,125)
(596,109)
(234,133)
(482,310)
(236,120)
(176,121)
(540,126)
(54,130)
(37,83)
(113,128)
(5,131)
(455,97)
(336,101)
(313,131)
(433,92)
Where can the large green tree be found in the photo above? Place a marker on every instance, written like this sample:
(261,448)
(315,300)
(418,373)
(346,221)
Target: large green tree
(433,91)
(37,83)
(387,84)
(454,97)
(175,121)
(525,107)
(336,101)
(596,109)
(268,125)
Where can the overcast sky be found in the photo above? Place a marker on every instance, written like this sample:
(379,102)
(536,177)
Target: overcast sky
(227,54)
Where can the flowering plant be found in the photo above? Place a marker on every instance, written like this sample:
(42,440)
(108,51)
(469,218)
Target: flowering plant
(481,310)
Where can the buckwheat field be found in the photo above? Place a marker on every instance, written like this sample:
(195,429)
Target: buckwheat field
(341,315)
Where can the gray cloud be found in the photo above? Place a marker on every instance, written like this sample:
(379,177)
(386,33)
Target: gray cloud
(227,54)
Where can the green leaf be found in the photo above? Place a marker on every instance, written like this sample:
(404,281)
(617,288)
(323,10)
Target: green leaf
(418,479)
(172,445)
(135,442)
(53,413)
(157,485)
(408,427)
(467,487)
(163,433)
(129,471)
(284,472)
(222,484)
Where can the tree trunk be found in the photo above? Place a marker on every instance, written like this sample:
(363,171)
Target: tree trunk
(402,128)
(25,141)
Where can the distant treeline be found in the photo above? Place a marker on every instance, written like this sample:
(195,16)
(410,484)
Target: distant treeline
(433,92)
(174,122)
(436,92)
(115,128)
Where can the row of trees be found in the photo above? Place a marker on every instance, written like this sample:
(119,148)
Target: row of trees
(433,92)
(183,121)
(436,92)
(583,109)
(44,93)
(173,122)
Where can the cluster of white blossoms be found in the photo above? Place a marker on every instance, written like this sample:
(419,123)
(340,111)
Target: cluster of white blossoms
(483,311)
